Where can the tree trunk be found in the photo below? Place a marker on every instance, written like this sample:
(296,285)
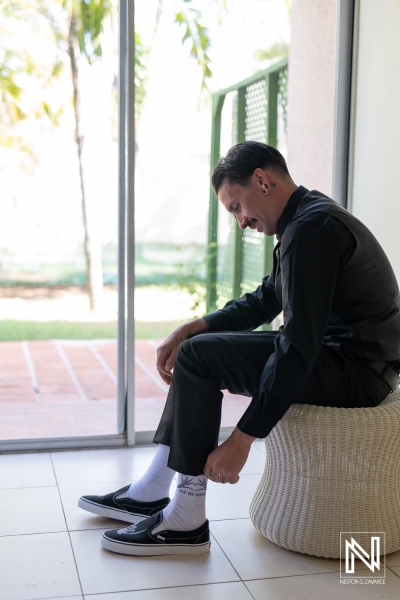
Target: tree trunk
(92,248)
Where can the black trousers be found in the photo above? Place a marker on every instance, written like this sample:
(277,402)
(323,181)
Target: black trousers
(211,362)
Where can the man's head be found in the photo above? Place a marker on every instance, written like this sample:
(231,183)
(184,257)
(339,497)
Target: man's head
(253,183)
(243,159)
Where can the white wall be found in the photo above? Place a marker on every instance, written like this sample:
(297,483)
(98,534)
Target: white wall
(375,190)
(312,65)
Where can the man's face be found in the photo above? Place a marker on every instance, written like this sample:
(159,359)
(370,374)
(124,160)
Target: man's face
(251,207)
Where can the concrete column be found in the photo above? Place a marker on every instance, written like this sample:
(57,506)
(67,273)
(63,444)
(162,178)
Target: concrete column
(312,93)
(375,148)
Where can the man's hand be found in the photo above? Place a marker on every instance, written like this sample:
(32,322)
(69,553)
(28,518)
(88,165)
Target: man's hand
(166,352)
(227,460)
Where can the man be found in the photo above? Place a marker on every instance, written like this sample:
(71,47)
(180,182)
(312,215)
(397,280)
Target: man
(339,345)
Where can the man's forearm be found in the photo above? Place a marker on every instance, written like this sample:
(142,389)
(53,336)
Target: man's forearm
(196,326)
(248,312)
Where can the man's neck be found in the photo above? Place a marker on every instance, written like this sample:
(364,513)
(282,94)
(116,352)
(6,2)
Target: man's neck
(283,191)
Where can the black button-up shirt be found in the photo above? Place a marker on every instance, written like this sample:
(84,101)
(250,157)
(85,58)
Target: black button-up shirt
(335,286)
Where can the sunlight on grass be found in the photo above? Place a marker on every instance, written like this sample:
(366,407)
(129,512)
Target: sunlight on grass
(11,330)
(63,313)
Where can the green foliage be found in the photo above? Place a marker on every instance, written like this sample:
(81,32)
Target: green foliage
(18,67)
(197,34)
(190,278)
(10,91)
(13,330)
(141,56)
(90,16)
(155,329)
(288,6)
(194,34)
(279,50)
(197,290)
(173,266)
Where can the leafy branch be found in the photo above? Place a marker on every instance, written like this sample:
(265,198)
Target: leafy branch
(189,18)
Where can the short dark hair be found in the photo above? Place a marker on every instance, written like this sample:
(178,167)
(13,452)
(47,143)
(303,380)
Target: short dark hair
(242,160)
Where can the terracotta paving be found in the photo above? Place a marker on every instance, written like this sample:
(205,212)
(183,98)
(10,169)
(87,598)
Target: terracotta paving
(62,388)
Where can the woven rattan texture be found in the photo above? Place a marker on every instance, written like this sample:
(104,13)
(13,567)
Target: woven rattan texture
(330,470)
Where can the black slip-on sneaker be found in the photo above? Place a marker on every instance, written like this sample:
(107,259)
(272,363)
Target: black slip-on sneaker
(142,540)
(123,508)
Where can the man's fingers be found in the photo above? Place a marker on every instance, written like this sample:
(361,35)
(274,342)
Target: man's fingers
(167,378)
(218,477)
(169,365)
(162,364)
(165,364)
(164,371)
(208,472)
(162,358)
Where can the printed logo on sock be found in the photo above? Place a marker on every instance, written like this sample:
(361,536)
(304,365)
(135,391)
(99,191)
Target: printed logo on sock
(192,487)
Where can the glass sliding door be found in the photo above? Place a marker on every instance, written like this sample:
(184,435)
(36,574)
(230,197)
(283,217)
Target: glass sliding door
(62,146)
(173,140)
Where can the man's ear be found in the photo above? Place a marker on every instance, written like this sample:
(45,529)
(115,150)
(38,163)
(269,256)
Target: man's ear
(261,176)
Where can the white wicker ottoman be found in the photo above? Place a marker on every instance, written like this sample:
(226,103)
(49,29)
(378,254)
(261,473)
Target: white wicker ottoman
(330,470)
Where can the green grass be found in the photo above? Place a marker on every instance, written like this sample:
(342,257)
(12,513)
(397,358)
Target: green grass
(156,330)
(13,330)
(61,330)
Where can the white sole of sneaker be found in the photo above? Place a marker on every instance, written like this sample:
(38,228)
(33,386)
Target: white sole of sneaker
(110,513)
(154,550)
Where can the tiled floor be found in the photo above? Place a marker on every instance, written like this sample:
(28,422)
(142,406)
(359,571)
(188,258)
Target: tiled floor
(63,388)
(51,549)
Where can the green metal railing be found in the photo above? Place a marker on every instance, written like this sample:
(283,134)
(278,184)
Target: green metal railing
(238,260)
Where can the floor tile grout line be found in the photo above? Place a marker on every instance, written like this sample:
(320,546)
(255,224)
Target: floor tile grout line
(226,556)
(70,370)
(244,583)
(31,369)
(394,572)
(156,380)
(291,576)
(14,535)
(75,561)
(66,524)
(167,587)
(27,487)
(304,574)
(103,363)
(79,597)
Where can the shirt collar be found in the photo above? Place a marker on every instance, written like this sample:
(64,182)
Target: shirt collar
(290,210)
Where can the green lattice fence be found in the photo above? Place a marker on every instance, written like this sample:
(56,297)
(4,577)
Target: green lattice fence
(254,109)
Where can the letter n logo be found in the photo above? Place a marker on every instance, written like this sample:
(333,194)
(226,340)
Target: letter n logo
(353,550)
(363,545)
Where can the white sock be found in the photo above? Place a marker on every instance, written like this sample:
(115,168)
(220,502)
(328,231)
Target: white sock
(155,483)
(187,509)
